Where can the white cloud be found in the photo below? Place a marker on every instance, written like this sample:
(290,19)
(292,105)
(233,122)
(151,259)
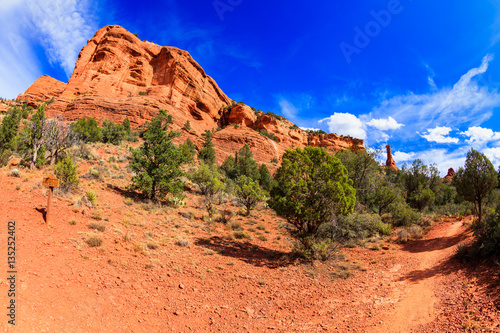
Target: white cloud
(19,66)
(443,158)
(464,103)
(439,135)
(64,27)
(481,135)
(400,156)
(345,124)
(385,124)
(309,129)
(493,155)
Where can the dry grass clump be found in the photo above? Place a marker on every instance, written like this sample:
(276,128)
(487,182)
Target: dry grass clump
(97,226)
(94,240)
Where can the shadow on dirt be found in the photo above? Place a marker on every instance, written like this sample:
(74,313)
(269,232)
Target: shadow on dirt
(485,273)
(124,192)
(249,253)
(434,244)
(43,211)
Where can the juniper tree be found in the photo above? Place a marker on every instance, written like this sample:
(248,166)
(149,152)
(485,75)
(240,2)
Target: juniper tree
(157,162)
(207,153)
(476,180)
(312,188)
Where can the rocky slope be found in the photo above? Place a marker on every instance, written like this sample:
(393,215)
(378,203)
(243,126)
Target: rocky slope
(117,76)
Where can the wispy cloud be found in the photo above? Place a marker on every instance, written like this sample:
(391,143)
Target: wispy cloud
(61,26)
(294,107)
(439,135)
(64,26)
(19,66)
(464,103)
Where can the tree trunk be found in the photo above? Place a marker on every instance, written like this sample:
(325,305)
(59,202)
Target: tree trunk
(33,161)
(479,210)
(52,158)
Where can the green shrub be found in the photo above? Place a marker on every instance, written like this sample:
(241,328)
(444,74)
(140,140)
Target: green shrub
(354,226)
(4,157)
(188,150)
(88,129)
(143,93)
(403,214)
(91,196)
(66,171)
(207,153)
(14,172)
(113,133)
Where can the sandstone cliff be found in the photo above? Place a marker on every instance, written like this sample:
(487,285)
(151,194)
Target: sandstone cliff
(117,76)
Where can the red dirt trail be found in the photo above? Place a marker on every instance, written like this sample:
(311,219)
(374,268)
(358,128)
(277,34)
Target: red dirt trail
(219,284)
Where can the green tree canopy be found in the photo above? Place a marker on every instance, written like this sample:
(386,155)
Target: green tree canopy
(265,179)
(157,162)
(363,170)
(246,164)
(248,192)
(476,180)
(9,129)
(416,179)
(207,153)
(209,180)
(33,137)
(188,150)
(312,188)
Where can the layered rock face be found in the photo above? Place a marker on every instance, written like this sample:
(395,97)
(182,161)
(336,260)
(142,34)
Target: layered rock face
(43,90)
(117,76)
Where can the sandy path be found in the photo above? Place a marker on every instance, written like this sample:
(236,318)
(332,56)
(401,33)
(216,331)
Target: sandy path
(417,307)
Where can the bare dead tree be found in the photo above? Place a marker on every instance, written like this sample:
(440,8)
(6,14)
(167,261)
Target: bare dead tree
(59,136)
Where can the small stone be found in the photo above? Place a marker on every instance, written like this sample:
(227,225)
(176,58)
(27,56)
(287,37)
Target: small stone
(181,286)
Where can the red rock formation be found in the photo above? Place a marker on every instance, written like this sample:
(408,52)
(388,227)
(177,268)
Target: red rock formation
(450,175)
(390,161)
(43,90)
(118,76)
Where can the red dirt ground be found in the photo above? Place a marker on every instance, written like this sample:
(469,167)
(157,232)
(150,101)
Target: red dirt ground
(140,280)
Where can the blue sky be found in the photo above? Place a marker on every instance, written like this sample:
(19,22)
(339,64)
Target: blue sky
(421,75)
